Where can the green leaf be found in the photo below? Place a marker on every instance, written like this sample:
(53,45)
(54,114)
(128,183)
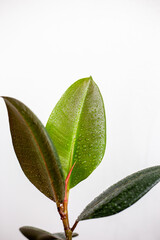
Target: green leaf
(35,151)
(77,127)
(33,233)
(122,194)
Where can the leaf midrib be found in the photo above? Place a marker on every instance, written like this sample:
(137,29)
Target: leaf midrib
(76,127)
(41,153)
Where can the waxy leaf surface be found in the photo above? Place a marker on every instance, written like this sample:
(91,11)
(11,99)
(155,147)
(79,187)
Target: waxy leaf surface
(35,151)
(122,194)
(33,233)
(77,127)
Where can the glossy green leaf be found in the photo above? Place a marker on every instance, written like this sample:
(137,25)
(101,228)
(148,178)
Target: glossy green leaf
(33,233)
(77,127)
(122,194)
(35,151)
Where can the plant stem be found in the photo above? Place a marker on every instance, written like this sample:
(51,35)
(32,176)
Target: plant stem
(67,229)
(63,208)
(63,211)
(66,225)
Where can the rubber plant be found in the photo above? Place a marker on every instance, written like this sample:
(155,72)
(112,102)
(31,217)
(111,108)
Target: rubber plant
(57,157)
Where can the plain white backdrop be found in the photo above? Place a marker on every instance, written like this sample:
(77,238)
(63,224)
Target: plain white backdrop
(44,47)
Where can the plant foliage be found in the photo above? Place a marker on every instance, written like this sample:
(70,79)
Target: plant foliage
(77,127)
(122,194)
(72,145)
(35,151)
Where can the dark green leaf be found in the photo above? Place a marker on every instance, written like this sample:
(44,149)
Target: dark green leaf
(34,150)
(77,127)
(33,233)
(122,195)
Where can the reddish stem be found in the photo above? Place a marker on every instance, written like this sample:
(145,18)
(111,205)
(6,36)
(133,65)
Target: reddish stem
(63,208)
(74,226)
(66,183)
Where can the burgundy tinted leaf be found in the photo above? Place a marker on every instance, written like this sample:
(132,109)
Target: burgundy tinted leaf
(35,151)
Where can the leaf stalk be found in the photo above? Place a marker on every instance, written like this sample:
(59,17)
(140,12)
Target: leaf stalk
(74,225)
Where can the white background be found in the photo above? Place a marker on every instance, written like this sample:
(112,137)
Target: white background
(44,47)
